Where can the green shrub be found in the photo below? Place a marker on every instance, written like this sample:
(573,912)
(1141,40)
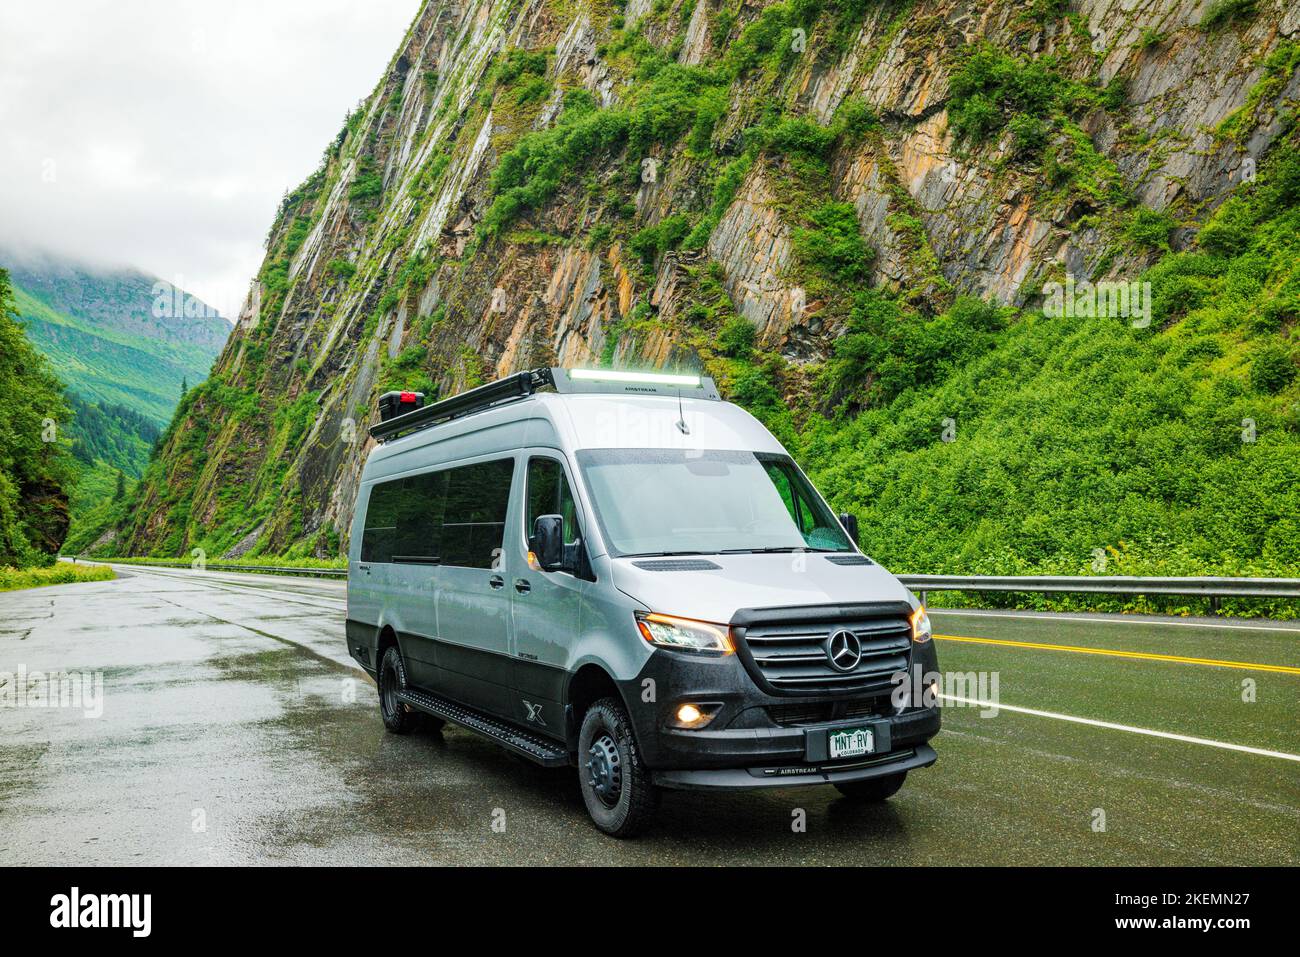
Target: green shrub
(1044,11)
(1271,370)
(989,87)
(736,338)
(1150,38)
(832,245)
(367,184)
(1029,135)
(341,269)
(720,27)
(1150,228)
(655,240)
(517,62)
(599,236)
(855,119)
(798,134)
(1224,12)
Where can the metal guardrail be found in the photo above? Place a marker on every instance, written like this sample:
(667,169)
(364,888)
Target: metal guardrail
(1203,587)
(226,567)
(1208,587)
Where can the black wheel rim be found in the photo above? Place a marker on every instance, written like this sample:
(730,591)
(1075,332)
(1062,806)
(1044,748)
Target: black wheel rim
(605,770)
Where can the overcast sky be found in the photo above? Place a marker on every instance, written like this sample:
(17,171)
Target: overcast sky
(162,133)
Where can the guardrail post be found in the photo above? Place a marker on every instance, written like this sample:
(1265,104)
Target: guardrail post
(925,598)
(1214,604)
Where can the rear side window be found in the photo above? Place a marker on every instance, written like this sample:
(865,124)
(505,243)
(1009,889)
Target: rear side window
(381,523)
(549,494)
(404,520)
(452,517)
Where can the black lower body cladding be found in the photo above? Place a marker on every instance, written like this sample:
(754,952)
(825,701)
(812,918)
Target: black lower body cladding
(750,731)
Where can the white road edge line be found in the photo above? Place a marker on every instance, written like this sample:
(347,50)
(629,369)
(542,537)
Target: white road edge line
(1064,617)
(1122,727)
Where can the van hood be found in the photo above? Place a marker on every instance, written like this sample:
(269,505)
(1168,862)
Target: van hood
(752,581)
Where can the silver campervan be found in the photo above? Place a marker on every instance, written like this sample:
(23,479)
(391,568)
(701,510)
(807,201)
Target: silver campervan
(621,572)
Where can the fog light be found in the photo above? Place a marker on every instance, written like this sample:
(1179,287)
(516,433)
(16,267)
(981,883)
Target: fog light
(693,715)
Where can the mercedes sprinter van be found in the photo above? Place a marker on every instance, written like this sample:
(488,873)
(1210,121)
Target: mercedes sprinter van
(621,572)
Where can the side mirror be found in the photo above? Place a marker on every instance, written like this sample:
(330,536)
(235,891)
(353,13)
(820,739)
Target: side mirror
(547,541)
(850,523)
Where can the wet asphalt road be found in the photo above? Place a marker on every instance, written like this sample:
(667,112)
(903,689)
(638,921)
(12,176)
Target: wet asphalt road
(235,730)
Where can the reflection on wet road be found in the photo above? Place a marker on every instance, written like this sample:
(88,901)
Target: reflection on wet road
(235,729)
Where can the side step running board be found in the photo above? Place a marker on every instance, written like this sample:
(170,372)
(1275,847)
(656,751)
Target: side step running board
(549,754)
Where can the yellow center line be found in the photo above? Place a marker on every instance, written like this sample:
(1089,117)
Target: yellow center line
(1077,649)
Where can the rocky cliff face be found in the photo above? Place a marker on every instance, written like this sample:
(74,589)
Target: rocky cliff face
(455,232)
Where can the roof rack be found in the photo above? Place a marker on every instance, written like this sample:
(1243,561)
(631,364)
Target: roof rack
(517,386)
(565,381)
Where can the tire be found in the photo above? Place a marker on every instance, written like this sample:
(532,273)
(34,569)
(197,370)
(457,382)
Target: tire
(398,717)
(873,789)
(615,782)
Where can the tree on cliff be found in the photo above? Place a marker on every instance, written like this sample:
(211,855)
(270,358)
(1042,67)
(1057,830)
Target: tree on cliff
(36,467)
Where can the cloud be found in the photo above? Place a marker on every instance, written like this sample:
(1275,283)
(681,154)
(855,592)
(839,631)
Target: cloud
(161,134)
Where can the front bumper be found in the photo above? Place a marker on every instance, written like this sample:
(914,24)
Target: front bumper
(745,746)
(898,761)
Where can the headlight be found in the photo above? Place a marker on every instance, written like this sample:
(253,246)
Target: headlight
(920,625)
(685,634)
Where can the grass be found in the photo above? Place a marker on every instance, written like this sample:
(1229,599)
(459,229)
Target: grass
(60,573)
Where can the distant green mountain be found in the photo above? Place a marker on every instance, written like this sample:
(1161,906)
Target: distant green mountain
(116,337)
(124,344)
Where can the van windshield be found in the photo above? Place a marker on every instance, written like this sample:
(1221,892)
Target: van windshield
(671,502)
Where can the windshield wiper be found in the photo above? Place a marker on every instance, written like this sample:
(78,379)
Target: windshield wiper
(666,554)
(772,550)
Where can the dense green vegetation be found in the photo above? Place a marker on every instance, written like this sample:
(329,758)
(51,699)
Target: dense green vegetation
(36,467)
(982,441)
(100,334)
(126,347)
(114,435)
(60,573)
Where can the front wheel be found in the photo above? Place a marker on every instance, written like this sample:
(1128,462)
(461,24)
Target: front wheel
(615,782)
(873,789)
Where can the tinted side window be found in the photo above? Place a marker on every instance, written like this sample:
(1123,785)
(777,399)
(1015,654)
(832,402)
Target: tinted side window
(797,505)
(381,523)
(404,519)
(474,516)
(419,518)
(549,494)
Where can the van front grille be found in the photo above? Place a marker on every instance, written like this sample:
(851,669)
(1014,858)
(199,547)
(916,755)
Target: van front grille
(792,657)
(819,712)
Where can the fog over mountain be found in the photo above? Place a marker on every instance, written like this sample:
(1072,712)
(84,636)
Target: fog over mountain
(127,155)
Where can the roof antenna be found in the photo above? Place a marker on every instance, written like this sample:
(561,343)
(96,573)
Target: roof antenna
(681,416)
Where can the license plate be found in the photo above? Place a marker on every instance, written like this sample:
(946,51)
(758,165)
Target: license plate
(852,742)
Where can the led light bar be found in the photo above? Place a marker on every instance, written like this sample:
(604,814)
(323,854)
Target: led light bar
(645,378)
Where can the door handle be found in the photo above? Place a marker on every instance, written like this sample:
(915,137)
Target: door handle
(364,568)
(522,586)
(496,581)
